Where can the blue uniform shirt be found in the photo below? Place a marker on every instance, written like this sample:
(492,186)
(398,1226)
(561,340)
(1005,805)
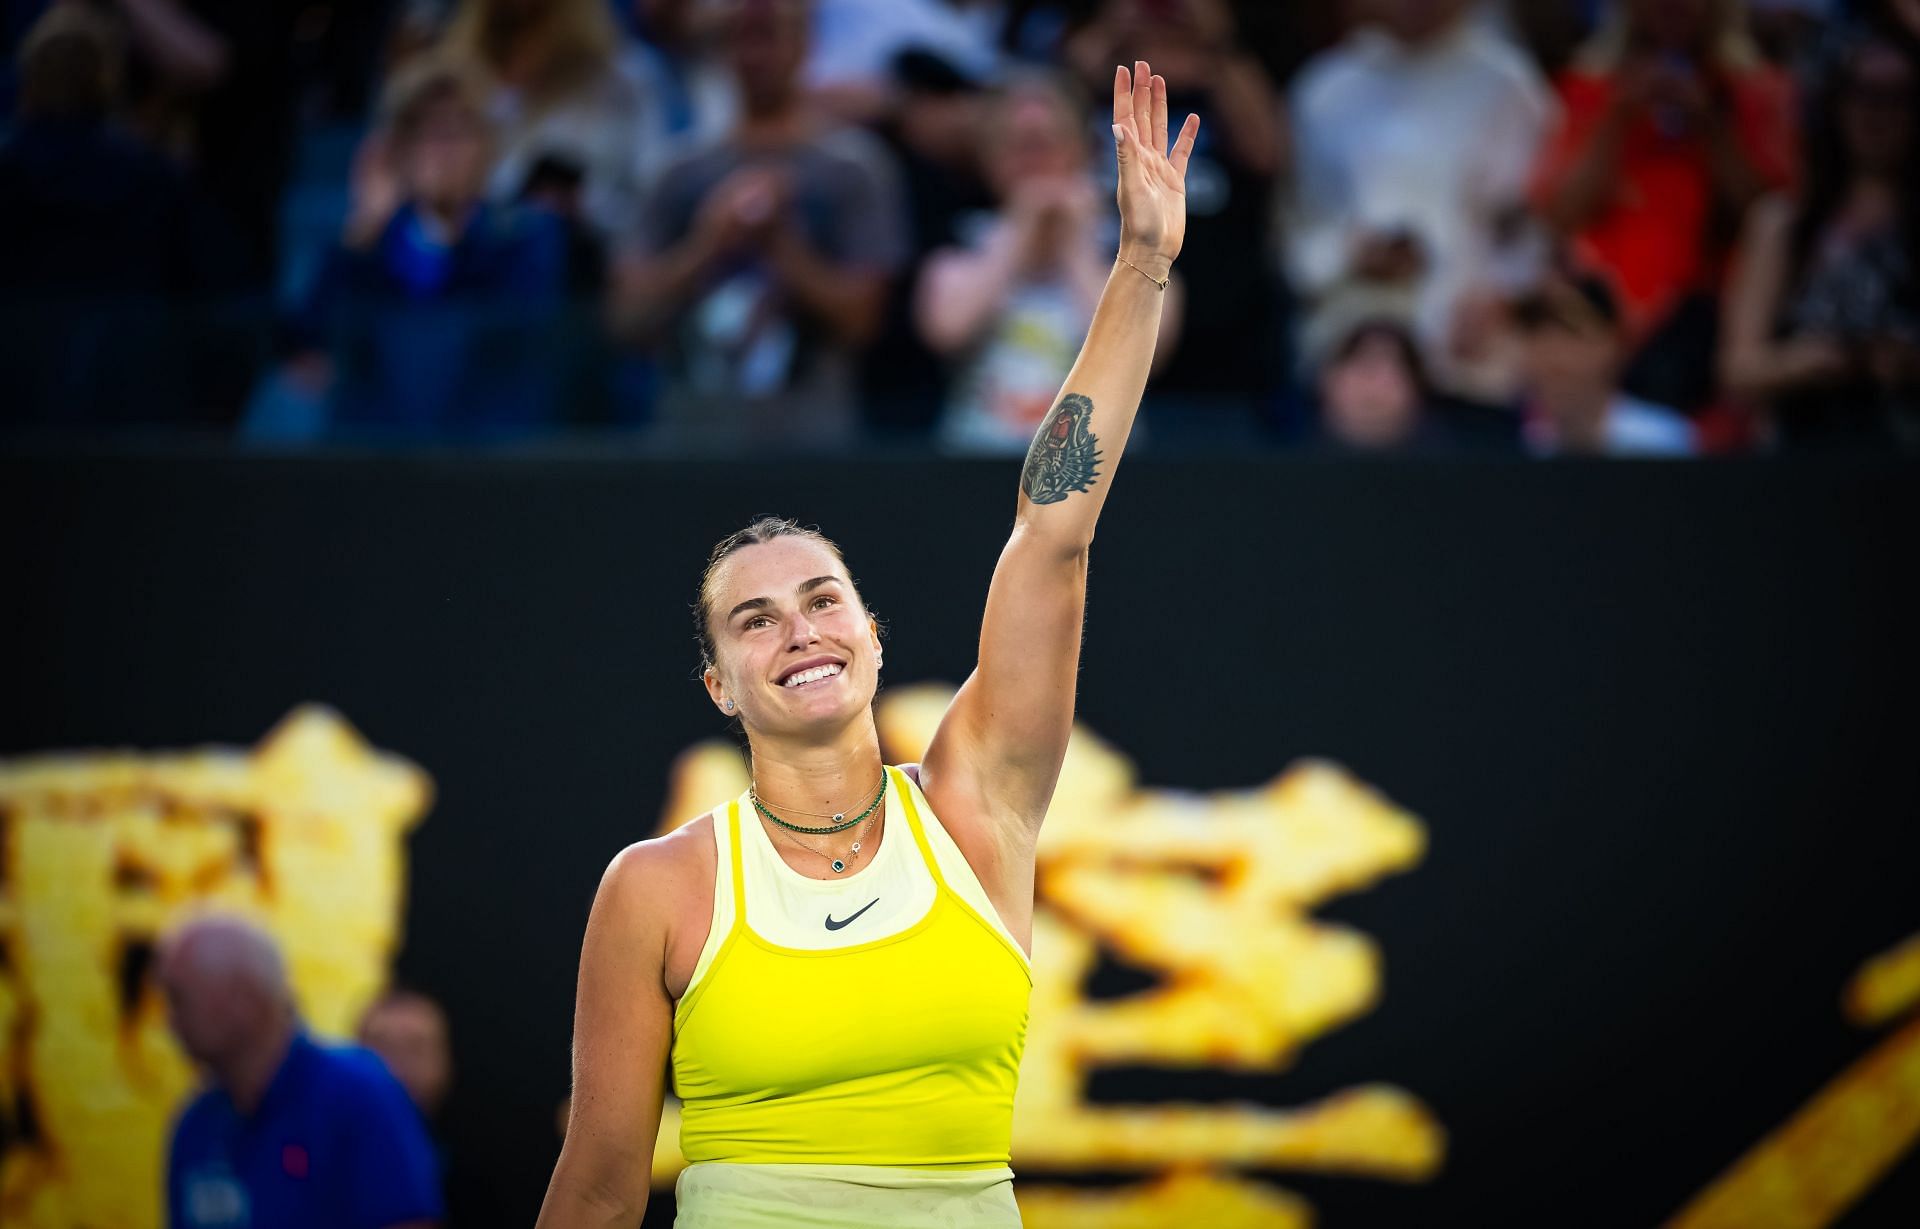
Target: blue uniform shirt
(334,1144)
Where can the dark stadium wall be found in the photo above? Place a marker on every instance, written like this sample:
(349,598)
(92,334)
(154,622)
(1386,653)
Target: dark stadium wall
(1657,721)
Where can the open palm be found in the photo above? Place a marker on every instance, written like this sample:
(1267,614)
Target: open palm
(1153,178)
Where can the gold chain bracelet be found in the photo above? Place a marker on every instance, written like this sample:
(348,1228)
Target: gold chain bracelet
(1161,282)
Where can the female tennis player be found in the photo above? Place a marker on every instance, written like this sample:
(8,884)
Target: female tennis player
(834,964)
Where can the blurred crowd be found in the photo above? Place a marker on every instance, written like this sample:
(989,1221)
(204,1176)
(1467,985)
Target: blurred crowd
(1608,227)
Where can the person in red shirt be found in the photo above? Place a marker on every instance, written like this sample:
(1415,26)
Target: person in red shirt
(1673,127)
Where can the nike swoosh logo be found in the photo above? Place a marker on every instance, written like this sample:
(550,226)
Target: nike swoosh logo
(833,925)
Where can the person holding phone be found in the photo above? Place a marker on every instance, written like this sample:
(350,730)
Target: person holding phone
(1674,126)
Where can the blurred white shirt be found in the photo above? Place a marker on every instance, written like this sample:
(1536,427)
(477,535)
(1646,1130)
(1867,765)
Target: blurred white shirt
(1633,428)
(854,41)
(1437,141)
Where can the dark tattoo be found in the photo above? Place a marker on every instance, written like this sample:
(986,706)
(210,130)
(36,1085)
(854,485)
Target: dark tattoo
(1065,453)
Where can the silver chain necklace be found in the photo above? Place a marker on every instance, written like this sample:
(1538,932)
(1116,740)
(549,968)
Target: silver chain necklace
(839,865)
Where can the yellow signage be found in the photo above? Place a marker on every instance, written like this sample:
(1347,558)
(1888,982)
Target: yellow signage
(102,852)
(1819,1163)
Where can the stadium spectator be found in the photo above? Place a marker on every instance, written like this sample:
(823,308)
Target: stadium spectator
(408,1030)
(685,95)
(1823,312)
(764,262)
(289,1132)
(1011,305)
(932,133)
(211,80)
(1373,393)
(84,206)
(102,239)
(1414,139)
(558,96)
(436,312)
(1815,52)
(1674,126)
(1229,362)
(1573,402)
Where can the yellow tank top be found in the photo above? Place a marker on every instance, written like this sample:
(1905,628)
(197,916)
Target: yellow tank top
(900,1051)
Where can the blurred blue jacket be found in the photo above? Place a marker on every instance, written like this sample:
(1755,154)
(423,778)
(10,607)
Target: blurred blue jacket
(436,338)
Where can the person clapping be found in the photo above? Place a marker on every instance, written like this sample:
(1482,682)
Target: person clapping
(1009,305)
(434,312)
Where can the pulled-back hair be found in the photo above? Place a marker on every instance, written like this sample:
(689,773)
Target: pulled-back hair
(761,531)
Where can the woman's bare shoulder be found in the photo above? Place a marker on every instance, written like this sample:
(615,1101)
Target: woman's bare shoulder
(654,874)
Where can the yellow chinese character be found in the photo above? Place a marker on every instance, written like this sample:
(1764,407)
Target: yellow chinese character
(103,852)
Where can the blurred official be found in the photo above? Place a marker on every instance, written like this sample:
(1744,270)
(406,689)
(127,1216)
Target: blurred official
(289,1134)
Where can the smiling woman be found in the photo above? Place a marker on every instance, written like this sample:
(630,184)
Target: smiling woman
(834,964)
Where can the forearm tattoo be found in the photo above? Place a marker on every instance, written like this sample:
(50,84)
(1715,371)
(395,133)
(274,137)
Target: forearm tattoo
(1065,453)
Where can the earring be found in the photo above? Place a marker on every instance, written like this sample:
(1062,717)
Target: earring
(729,705)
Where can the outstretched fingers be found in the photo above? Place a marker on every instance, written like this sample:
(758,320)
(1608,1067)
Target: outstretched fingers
(1183,148)
(1140,111)
(1159,114)
(1143,100)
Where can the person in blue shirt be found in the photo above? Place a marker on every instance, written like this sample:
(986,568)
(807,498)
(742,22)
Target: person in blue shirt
(289,1133)
(440,312)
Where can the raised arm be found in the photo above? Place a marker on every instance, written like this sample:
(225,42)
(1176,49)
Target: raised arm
(998,751)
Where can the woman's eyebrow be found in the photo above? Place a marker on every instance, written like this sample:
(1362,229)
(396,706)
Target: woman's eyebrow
(752,603)
(816,582)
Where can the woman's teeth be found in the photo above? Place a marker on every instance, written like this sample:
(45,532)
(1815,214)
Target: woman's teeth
(808,676)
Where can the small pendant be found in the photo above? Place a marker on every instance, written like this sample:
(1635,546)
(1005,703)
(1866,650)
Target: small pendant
(856,847)
(839,817)
(838,865)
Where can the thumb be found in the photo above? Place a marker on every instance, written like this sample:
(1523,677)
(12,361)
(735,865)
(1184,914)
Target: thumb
(1122,145)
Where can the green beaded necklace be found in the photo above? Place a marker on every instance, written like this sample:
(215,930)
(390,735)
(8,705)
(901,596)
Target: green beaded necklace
(840,821)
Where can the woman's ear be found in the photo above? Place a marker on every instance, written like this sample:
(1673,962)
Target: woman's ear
(717,692)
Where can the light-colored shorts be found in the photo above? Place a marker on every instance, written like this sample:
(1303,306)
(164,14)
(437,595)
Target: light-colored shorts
(728,1196)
